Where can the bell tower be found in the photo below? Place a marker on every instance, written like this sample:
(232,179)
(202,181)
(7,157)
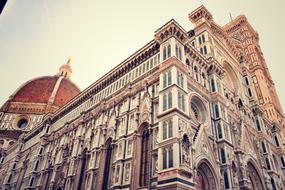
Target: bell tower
(241,29)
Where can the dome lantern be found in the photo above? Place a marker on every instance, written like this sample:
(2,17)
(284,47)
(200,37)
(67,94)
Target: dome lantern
(65,70)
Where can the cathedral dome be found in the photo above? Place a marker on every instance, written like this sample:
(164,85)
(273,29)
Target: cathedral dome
(44,94)
(42,90)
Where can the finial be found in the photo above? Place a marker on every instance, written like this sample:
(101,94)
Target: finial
(68,60)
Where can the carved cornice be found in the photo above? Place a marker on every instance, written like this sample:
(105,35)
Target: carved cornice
(27,108)
(209,64)
(171,29)
(200,12)
(137,58)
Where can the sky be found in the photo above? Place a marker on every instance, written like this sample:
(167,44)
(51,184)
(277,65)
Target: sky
(37,36)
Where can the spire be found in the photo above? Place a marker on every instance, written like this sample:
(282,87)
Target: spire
(65,70)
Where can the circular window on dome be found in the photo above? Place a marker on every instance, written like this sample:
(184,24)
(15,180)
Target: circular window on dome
(198,110)
(22,123)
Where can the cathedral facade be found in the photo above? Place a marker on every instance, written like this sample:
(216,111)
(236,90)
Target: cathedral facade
(190,110)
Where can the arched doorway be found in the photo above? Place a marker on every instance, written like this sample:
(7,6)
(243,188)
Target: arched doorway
(107,164)
(254,177)
(205,179)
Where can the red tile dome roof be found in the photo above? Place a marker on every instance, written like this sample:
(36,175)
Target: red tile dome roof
(51,91)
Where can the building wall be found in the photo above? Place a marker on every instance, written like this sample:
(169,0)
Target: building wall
(181,113)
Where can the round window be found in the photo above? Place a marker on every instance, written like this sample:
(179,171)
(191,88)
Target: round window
(195,111)
(198,110)
(22,123)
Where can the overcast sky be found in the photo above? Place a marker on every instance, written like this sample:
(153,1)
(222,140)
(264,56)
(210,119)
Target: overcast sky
(37,36)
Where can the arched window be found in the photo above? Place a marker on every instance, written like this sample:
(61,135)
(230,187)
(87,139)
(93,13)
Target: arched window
(164,102)
(205,50)
(31,181)
(264,150)
(2,159)
(164,80)
(199,39)
(226,180)
(267,164)
(219,130)
(36,166)
(168,51)
(47,128)
(203,38)
(246,81)
(180,79)
(170,155)
(217,111)
(181,101)
(282,161)
(164,53)
(9,178)
(177,51)
(192,70)
(167,157)
(164,158)
(14,166)
(204,80)
(249,92)
(164,130)
(167,129)
(196,73)
(257,124)
(169,100)
(169,78)
(276,141)
(273,184)
(144,171)
(223,156)
(170,128)
(180,53)
(213,85)
(41,150)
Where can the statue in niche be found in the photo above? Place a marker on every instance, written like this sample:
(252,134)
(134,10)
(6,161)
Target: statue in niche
(186,151)
(235,176)
(156,165)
